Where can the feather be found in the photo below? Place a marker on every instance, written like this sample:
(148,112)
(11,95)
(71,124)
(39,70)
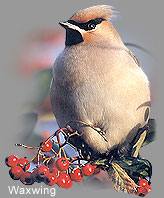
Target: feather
(98,11)
(151,132)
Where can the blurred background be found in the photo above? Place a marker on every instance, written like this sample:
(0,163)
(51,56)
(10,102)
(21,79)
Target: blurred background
(30,41)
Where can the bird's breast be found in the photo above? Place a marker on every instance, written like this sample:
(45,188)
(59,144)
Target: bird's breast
(102,87)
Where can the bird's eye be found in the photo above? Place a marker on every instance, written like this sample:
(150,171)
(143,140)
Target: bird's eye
(91,26)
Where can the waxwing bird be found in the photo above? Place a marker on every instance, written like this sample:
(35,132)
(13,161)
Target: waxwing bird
(97,80)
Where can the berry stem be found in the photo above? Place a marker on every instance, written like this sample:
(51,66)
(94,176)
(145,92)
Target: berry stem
(54,151)
(27,147)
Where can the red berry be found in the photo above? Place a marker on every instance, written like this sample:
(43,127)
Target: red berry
(42,170)
(54,170)
(88,169)
(50,179)
(16,172)
(76,175)
(40,173)
(68,184)
(24,163)
(65,175)
(141,191)
(143,183)
(64,181)
(143,188)
(11,160)
(27,178)
(46,146)
(62,164)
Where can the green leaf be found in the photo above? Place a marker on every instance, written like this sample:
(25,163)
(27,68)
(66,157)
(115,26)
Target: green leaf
(135,167)
(122,181)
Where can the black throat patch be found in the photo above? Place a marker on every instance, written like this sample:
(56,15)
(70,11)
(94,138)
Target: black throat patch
(73,37)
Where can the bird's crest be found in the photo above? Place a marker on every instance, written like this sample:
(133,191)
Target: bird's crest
(98,11)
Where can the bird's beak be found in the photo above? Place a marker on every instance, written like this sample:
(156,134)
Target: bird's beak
(68,25)
(64,24)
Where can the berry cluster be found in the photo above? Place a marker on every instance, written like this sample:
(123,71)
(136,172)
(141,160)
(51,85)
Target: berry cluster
(58,172)
(50,166)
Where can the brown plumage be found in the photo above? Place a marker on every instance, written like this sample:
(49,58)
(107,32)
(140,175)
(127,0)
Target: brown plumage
(99,11)
(97,80)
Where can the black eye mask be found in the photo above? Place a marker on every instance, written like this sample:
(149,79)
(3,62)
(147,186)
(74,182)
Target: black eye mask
(90,25)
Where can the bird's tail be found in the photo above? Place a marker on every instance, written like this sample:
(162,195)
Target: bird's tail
(151,132)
